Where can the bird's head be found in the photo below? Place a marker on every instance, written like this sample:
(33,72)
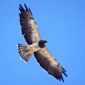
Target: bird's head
(42,43)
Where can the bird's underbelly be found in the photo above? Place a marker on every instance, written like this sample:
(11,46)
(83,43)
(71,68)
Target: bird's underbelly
(33,48)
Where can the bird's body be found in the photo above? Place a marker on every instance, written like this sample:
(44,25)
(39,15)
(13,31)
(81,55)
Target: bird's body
(26,51)
(33,48)
(36,45)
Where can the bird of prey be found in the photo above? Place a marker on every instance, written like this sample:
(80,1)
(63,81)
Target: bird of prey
(35,45)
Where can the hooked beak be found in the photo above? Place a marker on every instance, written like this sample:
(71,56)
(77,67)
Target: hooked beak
(46,43)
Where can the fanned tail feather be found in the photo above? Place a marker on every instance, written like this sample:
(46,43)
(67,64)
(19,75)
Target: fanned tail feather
(23,51)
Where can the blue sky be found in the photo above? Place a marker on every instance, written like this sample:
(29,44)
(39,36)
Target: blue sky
(62,23)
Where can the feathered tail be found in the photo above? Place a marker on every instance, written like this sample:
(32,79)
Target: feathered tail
(24,52)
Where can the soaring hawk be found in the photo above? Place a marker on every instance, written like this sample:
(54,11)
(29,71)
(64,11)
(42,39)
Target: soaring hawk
(37,46)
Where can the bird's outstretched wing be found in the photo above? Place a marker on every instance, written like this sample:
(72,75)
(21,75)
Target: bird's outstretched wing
(28,25)
(31,35)
(47,61)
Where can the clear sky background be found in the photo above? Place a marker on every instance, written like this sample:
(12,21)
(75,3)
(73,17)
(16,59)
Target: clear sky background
(62,23)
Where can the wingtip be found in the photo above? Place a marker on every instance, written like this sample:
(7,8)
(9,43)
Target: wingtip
(30,11)
(21,8)
(65,74)
(63,69)
(19,4)
(26,7)
(62,78)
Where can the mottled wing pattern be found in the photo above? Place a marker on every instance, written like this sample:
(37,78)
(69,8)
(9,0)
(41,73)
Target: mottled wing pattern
(47,61)
(28,25)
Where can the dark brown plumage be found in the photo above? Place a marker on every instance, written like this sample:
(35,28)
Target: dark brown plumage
(30,32)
